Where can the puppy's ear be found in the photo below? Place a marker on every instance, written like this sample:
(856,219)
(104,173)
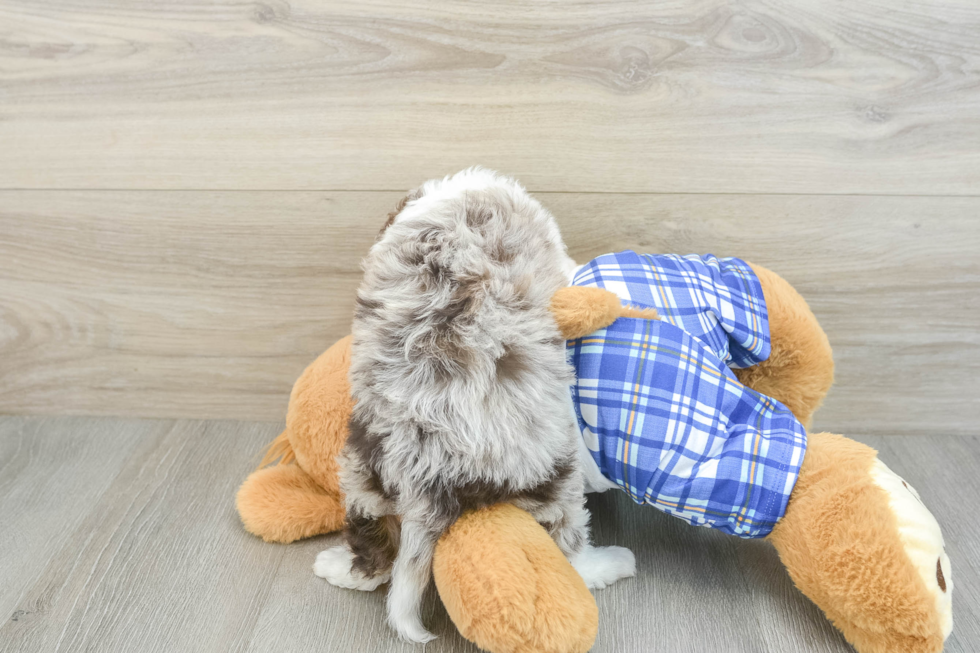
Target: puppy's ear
(412,195)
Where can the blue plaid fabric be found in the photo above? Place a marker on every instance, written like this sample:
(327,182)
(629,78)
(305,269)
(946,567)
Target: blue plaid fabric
(718,301)
(661,412)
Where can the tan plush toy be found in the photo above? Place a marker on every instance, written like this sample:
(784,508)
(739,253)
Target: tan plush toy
(855,538)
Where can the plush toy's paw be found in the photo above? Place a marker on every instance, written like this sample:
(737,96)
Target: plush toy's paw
(856,540)
(602,566)
(922,540)
(335,565)
(508,587)
(283,503)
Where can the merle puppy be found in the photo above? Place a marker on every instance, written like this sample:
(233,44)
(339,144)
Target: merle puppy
(461,382)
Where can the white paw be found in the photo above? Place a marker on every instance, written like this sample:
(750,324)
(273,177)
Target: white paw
(335,565)
(604,565)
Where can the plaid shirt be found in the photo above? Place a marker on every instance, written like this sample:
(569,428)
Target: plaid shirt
(660,411)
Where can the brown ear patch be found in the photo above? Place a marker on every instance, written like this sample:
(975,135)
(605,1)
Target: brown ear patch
(412,195)
(939,574)
(511,365)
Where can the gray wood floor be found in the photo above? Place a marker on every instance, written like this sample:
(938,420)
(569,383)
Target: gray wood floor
(121,535)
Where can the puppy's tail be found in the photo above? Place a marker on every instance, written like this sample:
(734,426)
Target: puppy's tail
(279,449)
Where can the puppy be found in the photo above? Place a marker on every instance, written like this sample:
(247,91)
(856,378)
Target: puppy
(461,385)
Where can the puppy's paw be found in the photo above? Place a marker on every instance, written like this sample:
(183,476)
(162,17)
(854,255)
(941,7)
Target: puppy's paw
(604,565)
(336,566)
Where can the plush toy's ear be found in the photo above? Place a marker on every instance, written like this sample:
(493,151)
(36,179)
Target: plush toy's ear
(509,589)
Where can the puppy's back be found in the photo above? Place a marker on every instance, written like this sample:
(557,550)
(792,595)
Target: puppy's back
(458,369)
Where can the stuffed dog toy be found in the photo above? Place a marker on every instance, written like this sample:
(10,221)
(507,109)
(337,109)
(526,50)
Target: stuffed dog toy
(696,378)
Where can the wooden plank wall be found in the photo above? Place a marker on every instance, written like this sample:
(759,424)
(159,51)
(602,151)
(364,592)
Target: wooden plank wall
(186,189)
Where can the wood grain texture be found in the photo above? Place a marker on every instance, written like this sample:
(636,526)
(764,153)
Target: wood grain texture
(869,96)
(51,476)
(210,304)
(158,561)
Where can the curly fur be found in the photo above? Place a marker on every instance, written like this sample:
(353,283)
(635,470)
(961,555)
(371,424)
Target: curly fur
(460,381)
